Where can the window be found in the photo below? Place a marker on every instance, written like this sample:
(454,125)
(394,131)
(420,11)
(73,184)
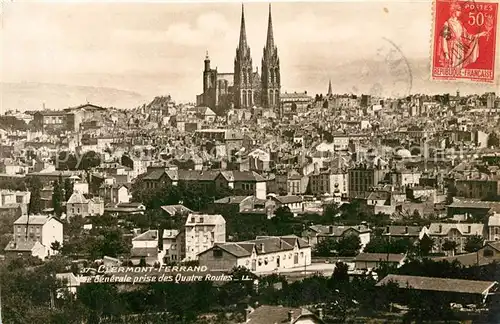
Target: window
(488,253)
(217,253)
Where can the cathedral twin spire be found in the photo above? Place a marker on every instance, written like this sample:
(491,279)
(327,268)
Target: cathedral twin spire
(248,93)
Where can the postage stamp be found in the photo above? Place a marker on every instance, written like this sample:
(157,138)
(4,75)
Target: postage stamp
(464,40)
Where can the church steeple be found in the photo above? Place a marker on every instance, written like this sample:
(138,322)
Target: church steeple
(243,34)
(244,90)
(271,79)
(330,92)
(270,36)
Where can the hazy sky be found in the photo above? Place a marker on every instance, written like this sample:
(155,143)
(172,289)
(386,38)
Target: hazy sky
(158,48)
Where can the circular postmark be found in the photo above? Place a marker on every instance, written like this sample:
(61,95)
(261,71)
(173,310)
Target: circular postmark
(392,72)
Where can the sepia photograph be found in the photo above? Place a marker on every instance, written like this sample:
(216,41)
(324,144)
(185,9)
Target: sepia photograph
(251,162)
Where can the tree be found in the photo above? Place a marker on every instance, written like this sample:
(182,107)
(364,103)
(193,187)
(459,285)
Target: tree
(35,205)
(127,161)
(493,140)
(89,160)
(474,243)
(449,246)
(326,247)
(348,246)
(340,273)
(68,189)
(57,197)
(425,245)
(55,246)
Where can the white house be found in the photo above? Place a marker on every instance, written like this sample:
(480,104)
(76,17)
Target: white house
(262,255)
(35,234)
(201,232)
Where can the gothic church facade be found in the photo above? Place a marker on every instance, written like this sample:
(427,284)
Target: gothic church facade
(244,88)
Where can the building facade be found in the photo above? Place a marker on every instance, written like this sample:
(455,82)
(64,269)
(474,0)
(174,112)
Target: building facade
(201,232)
(244,88)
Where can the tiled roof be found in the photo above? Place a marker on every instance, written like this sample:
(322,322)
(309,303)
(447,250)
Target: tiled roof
(21,246)
(338,230)
(173,209)
(439,284)
(144,252)
(495,205)
(77,198)
(242,176)
(170,233)
(154,175)
(150,235)
(263,245)
(463,228)
(402,230)
(208,219)
(494,220)
(289,199)
(266,314)
(232,200)
(33,220)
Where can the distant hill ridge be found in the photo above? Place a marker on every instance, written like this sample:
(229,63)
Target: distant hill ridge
(33,96)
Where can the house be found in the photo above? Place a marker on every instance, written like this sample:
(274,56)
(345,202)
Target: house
(295,203)
(316,233)
(246,182)
(175,210)
(201,232)
(443,285)
(173,246)
(264,254)
(78,204)
(238,204)
(206,114)
(145,246)
(34,235)
(114,193)
(70,281)
(489,253)
(413,233)
(278,314)
(456,232)
(370,261)
(291,183)
(475,208)
(124,209)
(493,227)
(329,182)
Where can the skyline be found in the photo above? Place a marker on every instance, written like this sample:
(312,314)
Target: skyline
(158,48)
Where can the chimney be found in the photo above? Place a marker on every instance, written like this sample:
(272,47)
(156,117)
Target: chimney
(469,229)
(440,228)
(262,248)
(387,229)
(290,317)
(406,229)
(330,229)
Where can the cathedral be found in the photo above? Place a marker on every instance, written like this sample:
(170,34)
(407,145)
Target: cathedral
(244,88)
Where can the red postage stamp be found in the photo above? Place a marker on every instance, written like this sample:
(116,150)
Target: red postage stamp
(464,40)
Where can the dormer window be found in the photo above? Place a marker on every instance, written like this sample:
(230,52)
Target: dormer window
(193,220)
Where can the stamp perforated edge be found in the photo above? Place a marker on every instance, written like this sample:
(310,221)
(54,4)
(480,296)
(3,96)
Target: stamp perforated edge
(496,67)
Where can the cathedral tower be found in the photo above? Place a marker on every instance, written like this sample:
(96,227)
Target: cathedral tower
(244,92)
(271,80)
